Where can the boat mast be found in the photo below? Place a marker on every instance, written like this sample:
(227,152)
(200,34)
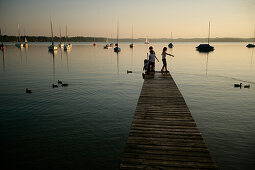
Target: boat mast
(209,32)
(60,35)
(25,37)
(171,37)
(52,42)
(132,35)
(66,33)
(18,34)
(1,36)
(254,37)
(118,34)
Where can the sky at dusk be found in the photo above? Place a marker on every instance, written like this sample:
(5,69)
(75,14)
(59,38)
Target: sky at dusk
(152,18)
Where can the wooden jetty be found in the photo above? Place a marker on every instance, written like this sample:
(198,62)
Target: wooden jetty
(164,134)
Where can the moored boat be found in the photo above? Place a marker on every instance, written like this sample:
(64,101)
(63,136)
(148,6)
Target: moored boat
(52,47)
(206,47)
(252,45)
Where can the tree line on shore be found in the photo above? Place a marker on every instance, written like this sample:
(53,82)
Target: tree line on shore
(7,38)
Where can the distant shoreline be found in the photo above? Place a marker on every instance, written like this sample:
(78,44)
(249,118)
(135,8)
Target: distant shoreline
(7,38)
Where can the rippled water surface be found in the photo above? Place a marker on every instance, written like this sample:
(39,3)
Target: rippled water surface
(86,124)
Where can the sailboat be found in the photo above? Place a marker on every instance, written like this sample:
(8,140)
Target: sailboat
(147,41)
(132,44)
(170,45)
(107,46)
(206,47)
(61,45)
(117,49)
(252,45)
(52,47)
(25,42)
(2,47)
(67,46)
(18,44)
(94,44)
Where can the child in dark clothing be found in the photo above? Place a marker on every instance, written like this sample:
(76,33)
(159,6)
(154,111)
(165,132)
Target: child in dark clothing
(164,53)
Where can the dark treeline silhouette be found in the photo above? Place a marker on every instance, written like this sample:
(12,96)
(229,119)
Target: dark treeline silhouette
(7,38)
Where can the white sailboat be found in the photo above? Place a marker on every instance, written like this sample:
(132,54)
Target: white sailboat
(147,41)
(132,44)
(25,43)
(19,44)
(67,46)
(61,45)
(52,47)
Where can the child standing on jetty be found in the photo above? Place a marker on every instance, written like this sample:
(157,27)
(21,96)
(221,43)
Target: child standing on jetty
(164,53)
(152,57)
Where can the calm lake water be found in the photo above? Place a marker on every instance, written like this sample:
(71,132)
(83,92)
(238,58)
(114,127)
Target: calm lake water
(86,125)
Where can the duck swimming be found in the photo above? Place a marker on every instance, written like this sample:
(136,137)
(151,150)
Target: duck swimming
(238,85)
(54,86)
(247,86)
(64,84)
(129,71)
(28,91)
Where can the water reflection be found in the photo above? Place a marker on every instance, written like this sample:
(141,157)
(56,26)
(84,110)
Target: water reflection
(252,52)
(53,53)
(118,67)
(26,50)
(61,56)
(206,66)
(20,54)
(132,57)
(67,59)
(3,61)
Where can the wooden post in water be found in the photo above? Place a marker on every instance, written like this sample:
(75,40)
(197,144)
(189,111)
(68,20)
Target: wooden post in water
(164,134)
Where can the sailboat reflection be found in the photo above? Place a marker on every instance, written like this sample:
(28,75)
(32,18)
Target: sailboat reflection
(26,50)
(252,53)
(206,67)
(3,62)
(67,59)
(20,54)
(53,53)
(118,67)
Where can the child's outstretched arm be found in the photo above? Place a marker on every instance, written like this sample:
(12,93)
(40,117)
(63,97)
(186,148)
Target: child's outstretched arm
(157,58)
(170,54)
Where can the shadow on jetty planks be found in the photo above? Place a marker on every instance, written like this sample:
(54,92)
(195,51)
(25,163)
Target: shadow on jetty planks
(164,134)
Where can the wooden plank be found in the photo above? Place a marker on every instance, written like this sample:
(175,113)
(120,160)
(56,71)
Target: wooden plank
(164,134)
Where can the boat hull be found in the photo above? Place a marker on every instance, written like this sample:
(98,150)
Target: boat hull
(250,45)
(52,47)
(205,48)
(61,45)
(19,45)
(67,47)
(25,45)
(117,49)
(170,45)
